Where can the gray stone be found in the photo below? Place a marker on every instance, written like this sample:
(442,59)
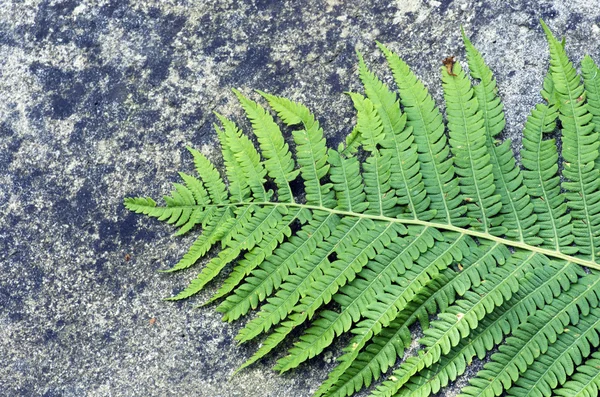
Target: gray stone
(99,100)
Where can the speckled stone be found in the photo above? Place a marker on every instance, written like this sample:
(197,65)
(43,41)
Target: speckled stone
(98,101)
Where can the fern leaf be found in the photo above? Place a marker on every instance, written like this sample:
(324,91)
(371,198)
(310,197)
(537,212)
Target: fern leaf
(580,150)
(358,370)
(279,306)
(311,151)
(540,160)
(377,168)
(400,224)
(532,339)
(355,296)
(471,160)
(347,183)
(398,143)
(551,369)
(428,129)
(247,237)
(210,176)
(536,291)
(212,233)
(367,240)
(351,144)
(585,382)
(238,186)
(394,304)
(591,80)
(278,159)
(458,320)
(517,210)
(248,159)
(273,270)
(273,236)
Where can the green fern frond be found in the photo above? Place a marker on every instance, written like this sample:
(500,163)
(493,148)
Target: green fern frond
(278,159)
(559,362)
(580,150)
(404,224)
(398,143)
(471,159)
(537,290)
(517,210)
(433,152)
(533,338)
(311,150)
(585,382)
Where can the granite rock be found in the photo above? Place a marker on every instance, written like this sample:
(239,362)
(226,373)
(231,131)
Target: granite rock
(100,99)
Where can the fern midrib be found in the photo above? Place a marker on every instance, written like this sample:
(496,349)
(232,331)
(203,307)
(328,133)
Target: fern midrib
(313,164)
(579,165)
(542,183)
(443,226)
(369,288)
(541,376)
(496,169)
(432,157)
(484,217)
(540,331)
(471,342)
(500,176)
(385,119)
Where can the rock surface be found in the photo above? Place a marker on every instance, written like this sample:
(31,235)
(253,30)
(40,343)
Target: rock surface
(99,100)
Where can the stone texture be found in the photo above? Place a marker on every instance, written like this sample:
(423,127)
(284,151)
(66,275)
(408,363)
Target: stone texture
(99,100)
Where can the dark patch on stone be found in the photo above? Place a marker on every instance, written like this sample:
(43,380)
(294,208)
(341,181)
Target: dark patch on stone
(66,89)
(51,15)
(548,12)
(13,143)
(129,232)
(107,337)
(84,203)
(61,107)
(574,20)
(49,335)
(214,45)
(96,266)
(50,76)
(253,62)
(6,38)
(158,64)
(170,26)
(147,118)
(36,276)
(12,219)
(191,119)
(264,5)
(444,5)
(226,341)
(333,82)
(114,8)
(64,210)
(200,134)
(107,232)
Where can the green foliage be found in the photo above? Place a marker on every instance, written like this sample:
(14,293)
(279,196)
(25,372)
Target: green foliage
(411,221)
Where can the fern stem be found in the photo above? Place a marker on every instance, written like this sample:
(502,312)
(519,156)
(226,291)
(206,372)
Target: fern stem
(443,226)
